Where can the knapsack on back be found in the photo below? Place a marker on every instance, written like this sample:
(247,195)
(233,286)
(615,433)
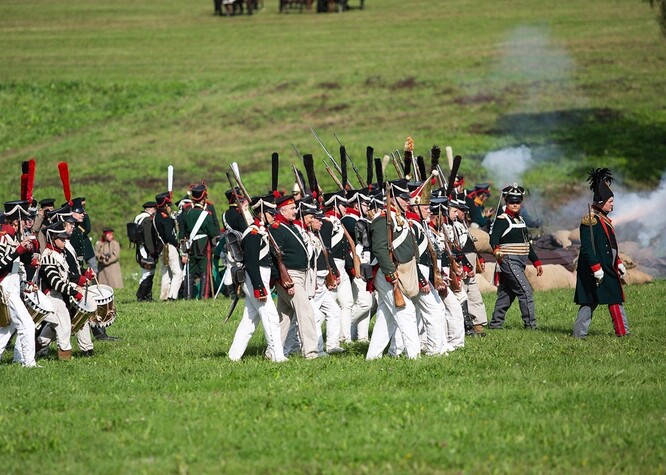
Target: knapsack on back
(134,233)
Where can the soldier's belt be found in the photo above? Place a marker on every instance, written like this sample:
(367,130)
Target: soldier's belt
(515,249)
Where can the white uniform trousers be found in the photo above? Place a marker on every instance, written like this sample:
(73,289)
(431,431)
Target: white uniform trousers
(475,305)
(345,297)
(389,318)
(21,321)
(256,310)
(63,328)
(145,273)
(361,310)
(455,321)
(326,309)
(172,274)
(430,312)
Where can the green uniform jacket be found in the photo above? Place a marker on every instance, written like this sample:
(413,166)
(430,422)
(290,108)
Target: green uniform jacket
(166,227)
(207,228)
(610,289)
(253,243)
(81,244)
(288,239)
(405,252)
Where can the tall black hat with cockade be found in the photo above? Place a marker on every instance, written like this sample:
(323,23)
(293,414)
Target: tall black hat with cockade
(600,180)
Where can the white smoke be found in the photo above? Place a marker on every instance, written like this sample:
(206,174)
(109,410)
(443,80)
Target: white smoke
(507,165)
(641,217)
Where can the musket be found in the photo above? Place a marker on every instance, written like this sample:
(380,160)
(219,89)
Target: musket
(285,278)
(337,182)
(297,152)
(299,179)
(398,298)
(454,278)
(330,157)
(594,250)
(396,165)
(358,175)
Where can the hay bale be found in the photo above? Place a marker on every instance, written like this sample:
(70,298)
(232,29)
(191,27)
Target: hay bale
(562,237)
(554,276)
(482,240)
(636,276)
(574,235)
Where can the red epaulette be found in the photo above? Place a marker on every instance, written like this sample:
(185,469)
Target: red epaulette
(254,231)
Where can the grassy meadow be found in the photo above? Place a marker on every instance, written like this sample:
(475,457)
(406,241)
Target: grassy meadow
(166,399)
(122,89)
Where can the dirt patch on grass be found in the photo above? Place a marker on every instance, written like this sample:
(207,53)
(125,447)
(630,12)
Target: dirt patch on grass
(480,98)
(329,85)
(407,83)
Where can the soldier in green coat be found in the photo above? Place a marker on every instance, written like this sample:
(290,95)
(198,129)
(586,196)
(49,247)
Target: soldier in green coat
(600,268)
(199,231)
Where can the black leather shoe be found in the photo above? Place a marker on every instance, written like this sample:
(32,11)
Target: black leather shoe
(88,353)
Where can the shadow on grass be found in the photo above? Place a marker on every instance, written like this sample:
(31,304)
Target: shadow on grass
(639,146)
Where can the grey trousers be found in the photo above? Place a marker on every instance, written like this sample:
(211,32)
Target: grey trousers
(298,305)
(514,284)
(584,319)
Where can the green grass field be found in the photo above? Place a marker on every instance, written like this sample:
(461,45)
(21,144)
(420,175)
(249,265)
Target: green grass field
(122,89)
(166,399)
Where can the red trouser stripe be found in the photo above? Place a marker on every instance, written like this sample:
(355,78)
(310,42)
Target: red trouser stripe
(618,322)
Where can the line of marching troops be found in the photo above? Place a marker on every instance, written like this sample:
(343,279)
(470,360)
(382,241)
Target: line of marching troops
(47,268)
(397,249)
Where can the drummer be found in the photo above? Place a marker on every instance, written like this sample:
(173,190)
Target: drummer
(14,248)
(54,274)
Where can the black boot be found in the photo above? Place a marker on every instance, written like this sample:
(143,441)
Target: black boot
(469,327)
(145,291)
(100,334)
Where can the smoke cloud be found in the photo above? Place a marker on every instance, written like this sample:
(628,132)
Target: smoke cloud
(507,166)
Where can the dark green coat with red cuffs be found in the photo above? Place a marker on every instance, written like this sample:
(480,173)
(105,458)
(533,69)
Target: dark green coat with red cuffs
(603,256)
(256,254)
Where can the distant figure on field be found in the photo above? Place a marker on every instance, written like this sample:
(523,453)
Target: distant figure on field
(107,252)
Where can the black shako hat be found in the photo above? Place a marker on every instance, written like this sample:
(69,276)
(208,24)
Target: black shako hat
(513,193)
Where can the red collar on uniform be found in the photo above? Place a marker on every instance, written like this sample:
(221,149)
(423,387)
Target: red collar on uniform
(298,223)
(511,214)
(53,248)
(332,212)
(353,211)
(279,219)
(412,215)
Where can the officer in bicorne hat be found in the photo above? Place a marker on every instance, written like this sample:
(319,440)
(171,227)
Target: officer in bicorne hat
(600,269)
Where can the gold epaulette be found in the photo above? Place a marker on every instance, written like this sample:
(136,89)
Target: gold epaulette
(587,220)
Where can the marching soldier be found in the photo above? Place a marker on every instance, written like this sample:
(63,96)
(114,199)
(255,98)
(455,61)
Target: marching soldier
(475,307)
(147,251)
(199,231)
(512,248)
(356,223)
(324,304)
(15,252)
(55,280)
(165,227)
(397,279)
(600,269)
(259,306)
(294,301)
(333,235)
